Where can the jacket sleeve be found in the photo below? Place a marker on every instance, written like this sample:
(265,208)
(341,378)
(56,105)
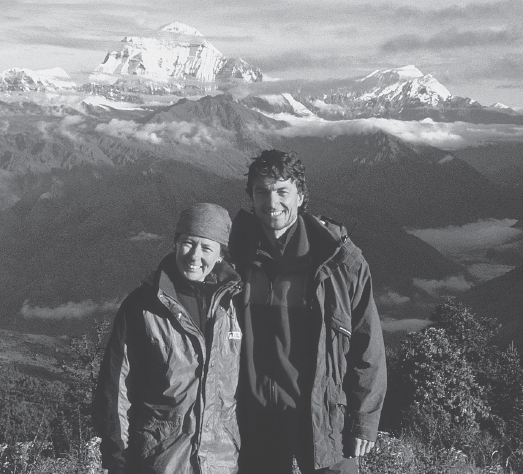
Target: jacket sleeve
(366,381)
(112,402)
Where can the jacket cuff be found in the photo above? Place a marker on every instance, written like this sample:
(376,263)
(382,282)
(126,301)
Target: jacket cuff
(364,428)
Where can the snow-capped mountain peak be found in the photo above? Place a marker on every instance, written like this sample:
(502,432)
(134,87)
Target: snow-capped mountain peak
(181,29)
(24,79)
(407,81)
(177,51)
(405,72)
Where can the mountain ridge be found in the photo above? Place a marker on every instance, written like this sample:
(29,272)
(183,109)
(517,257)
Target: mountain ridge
(177,61)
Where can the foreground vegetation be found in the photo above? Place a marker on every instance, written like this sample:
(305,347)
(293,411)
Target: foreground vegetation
(454,405)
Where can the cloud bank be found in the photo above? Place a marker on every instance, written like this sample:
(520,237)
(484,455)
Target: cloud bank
(447,136)
(404,325)
(446,287)
(184,133)
(453,39)
(391,298)
(476,237)
(144,236)
(68,310)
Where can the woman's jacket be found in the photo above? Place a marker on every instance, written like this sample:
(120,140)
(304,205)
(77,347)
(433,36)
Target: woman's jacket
(166,396)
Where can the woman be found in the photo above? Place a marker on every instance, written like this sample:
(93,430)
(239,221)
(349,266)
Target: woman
(166,396)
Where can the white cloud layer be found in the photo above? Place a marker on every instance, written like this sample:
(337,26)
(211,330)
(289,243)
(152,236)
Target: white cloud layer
(471,238)
(403,325)
(447,136)
(391,298)
(68,310)
(144,236)
(446,287)
(184,133)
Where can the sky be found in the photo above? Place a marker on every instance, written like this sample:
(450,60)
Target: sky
(474,48)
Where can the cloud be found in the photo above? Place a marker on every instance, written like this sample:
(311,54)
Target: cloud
(391,298)
(184,133)
(296,59)
(404,325)
(509,66)
(476,237)
(452,285)
(68,126)
(447,136)
(143,236)
(68,310)
(452,39)
(488,271)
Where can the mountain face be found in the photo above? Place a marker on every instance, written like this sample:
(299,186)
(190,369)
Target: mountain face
(418,186)
(23,80)
(501,297)
(177,52)
(402,93)
(89,208)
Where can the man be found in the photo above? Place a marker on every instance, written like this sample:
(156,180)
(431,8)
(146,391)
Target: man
(313,374)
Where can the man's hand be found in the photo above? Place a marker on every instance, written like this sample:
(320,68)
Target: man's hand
(360,447)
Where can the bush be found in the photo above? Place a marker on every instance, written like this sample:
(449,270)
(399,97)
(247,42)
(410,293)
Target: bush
(453,390)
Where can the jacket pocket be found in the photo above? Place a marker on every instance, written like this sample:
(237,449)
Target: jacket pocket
(148,439)
(336,407)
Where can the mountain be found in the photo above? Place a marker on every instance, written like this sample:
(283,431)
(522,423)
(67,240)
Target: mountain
(417,185)
(31,353)
(224,112)
(274,104)
(403,93)
(178,52)
(501,162)
(91,196)
(23,80)
(502,298)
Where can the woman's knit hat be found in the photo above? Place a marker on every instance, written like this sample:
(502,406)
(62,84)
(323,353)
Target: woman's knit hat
(206,220)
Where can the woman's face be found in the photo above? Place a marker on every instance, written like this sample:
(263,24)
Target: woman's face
(196,256)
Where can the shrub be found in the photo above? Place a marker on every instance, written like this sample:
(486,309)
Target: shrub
(453,389)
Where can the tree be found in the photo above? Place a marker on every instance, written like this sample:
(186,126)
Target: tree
(454,386)
(72,425)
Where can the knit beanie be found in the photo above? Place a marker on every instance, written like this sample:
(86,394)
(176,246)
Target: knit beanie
(206,220)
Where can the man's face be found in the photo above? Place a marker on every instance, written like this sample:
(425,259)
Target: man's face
(196,256)
(276,204)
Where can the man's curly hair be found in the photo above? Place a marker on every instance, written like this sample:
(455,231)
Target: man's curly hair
(276,164)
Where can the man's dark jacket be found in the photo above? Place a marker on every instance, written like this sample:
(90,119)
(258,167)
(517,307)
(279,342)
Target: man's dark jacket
(350,373)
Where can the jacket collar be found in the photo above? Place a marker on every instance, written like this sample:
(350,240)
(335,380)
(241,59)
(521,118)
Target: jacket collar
(329,242)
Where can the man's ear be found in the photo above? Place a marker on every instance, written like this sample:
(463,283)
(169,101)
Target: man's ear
(300,199)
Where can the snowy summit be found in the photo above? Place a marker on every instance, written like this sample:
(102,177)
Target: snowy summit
(176,51)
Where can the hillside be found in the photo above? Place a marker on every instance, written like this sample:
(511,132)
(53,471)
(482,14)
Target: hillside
(501,297)
(418,186)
